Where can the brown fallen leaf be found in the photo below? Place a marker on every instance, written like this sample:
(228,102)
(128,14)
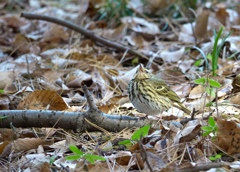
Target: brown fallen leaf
(228,136)
(43,99)
(201,25)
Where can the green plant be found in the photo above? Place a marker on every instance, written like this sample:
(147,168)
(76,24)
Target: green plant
(137,135)
(114,10)
(78,154)
(210,84)
(213,56)
(216,157)
(216,49)
(210,128)
(207,130)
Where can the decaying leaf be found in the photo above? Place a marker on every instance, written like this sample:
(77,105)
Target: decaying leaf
(43,99)
(228,136)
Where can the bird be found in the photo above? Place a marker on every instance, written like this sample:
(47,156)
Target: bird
(151,95)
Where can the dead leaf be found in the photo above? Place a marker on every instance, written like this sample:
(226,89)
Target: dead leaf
(141,25)
(235,99)
(173,54)
(43,99)
(188,133)
(6,78)
(201,25)
(55,33)
(228,136)
(45,167)
(27,144)
(222,16)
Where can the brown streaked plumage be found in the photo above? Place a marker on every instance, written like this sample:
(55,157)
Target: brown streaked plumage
(151,95)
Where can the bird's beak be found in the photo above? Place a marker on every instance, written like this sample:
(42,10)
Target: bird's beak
(141,68)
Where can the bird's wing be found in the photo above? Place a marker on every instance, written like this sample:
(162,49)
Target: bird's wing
(164,90)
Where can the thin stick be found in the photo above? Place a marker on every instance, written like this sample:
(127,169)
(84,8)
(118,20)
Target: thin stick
(89,34)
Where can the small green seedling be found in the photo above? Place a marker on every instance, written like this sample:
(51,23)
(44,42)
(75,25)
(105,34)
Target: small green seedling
(216,157)
(210,84)
(210,128)
(114,10)
(137,135)
(78,154)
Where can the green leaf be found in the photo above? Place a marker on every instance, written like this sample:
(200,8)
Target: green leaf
(73,157)
(206,133)
(209,104)
(218,156)
(214,83)
(209,56)
(75,150)
(141,132)
(135,61)
(207,128)
(125,142)
(213,158)
(210,91)
(1,91)
(215,51)
(92,158)
(217,48)
(200,80)
(198,63)
(211,121)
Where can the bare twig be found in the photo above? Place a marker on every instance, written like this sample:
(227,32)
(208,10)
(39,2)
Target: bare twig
(90,101)
(85,32)
(144,155)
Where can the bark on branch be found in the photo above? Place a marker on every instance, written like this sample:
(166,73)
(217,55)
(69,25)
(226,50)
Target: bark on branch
(71,120)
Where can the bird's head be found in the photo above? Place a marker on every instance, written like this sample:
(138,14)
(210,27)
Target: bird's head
(142,73)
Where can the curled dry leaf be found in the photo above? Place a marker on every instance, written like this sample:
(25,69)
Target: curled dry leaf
(76,78)
(188,133)
(172,55)
(222,16)
(141,25)
(201,24)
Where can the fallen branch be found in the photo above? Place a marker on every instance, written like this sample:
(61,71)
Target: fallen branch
(71,120)
(85,32)
(202,167)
